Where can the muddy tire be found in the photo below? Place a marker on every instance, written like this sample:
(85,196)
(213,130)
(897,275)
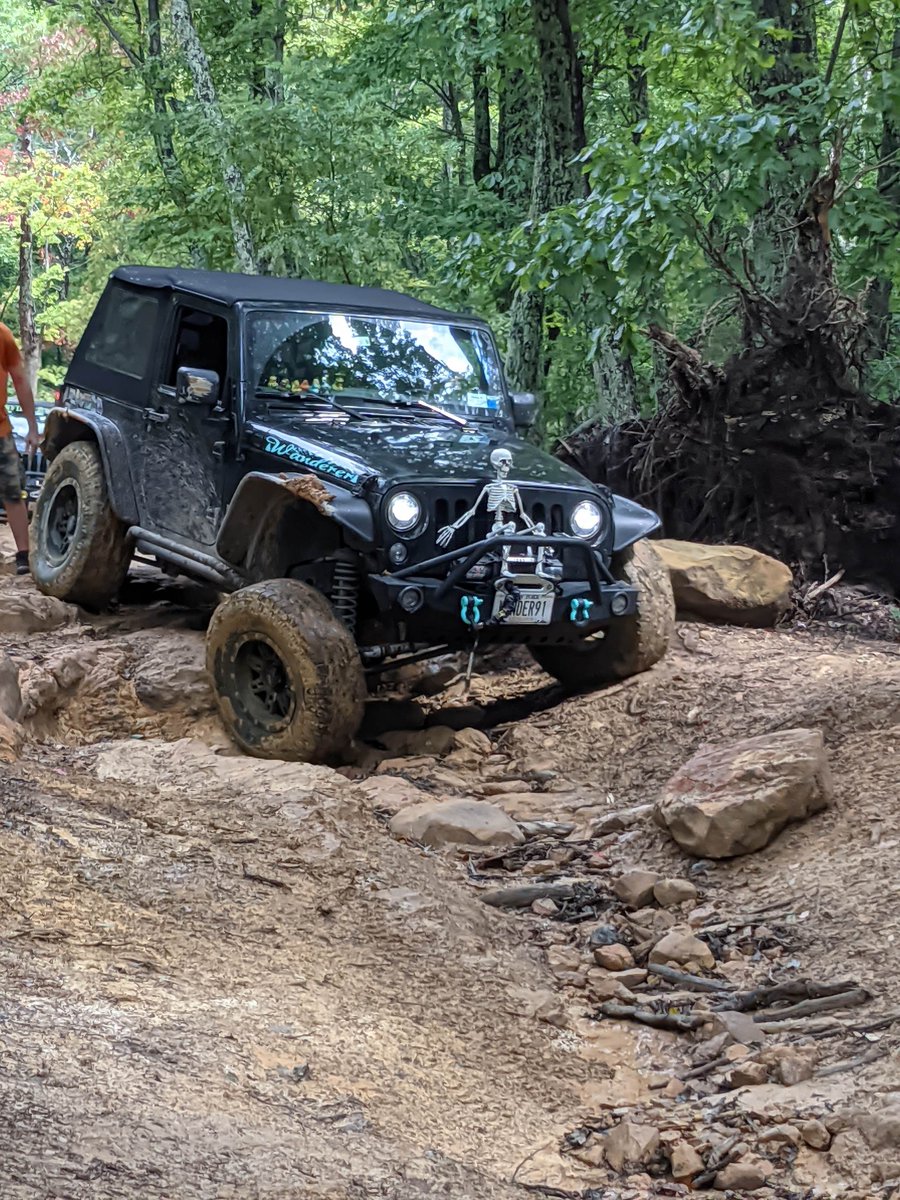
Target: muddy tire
(288,678)
(632,644)
(80,550)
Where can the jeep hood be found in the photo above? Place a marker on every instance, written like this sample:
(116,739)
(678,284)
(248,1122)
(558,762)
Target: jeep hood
(409,449)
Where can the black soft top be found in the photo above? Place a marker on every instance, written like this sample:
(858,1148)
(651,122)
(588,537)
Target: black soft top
(233,289)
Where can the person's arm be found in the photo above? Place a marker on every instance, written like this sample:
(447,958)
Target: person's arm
(26,399)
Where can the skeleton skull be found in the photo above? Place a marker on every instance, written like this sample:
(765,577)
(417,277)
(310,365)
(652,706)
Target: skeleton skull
(501,461)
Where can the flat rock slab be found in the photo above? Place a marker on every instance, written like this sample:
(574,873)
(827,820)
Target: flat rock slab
(466,823)
(734,798)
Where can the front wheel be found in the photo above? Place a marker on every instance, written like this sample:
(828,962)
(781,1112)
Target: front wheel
(80,550)
(288,678)
(630,644)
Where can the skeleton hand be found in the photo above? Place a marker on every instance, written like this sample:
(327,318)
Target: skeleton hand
(445,535)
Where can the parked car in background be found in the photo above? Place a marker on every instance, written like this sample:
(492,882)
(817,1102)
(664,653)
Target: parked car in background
(34,466)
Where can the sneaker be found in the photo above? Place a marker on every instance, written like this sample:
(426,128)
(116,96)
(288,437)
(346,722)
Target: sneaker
(22,567)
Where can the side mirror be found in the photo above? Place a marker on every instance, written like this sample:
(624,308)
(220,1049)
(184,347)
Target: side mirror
(525,409)
(195,386)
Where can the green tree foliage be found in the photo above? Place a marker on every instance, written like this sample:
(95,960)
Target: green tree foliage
(574,171)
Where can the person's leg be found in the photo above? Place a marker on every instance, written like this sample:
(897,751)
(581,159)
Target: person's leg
(11,497)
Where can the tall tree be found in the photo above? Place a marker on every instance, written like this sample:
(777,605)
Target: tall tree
(205,94)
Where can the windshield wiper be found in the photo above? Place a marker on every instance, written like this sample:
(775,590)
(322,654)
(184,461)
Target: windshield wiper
(407,402)
(325,397)
(364,397)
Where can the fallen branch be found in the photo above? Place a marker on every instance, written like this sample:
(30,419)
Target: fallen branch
(695,983)
(796,989)
(808,1007)
(674,1022)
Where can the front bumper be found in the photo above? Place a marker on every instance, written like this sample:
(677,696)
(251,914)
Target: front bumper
(439,587)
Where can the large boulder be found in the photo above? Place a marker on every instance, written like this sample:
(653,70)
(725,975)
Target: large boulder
(467,823)
(733,584)
(734,798)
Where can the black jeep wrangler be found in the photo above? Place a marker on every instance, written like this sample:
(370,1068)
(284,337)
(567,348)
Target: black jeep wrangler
(342,463)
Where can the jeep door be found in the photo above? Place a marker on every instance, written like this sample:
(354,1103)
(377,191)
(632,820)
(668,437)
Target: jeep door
(181,475)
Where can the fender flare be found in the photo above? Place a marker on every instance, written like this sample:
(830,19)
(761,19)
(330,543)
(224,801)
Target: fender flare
(260,495)
(65,425)
(631,522)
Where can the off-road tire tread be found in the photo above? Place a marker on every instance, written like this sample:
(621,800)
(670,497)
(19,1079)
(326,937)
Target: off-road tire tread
(632,644)
(316,648)
(101,553)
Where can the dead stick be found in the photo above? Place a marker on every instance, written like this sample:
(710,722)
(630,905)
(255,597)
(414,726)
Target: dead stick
(674,1022)
(808,1007)
(849,1064)
(524,897)
(823,587)
(705,1069)
(268,880)
(695,983)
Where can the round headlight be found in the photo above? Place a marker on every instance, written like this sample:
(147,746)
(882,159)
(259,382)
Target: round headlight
(586,519)
(404,511)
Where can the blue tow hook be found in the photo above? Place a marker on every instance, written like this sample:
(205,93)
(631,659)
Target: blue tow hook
(470,611)
(580,612)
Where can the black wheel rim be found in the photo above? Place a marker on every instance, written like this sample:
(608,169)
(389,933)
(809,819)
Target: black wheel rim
(61,524)
(263,684)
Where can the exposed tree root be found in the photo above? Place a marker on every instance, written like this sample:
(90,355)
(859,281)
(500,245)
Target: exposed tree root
(781,448)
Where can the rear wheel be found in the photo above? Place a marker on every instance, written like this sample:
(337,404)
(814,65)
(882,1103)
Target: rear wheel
(631,644)
(288,678)
(80,550)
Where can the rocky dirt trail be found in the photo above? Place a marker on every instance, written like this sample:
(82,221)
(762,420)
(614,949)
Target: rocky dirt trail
(229,978)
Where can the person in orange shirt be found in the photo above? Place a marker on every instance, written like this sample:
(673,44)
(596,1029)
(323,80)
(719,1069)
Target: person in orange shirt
(11,367)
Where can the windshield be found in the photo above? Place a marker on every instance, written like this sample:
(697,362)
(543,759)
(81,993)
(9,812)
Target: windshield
(382,358)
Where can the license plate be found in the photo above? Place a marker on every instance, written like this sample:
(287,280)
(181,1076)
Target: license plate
(529,610)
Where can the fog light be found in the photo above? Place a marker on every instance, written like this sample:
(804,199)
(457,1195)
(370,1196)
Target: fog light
(618,605)
(397,553)
(411,599)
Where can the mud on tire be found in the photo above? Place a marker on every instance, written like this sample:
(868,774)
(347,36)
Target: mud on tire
(80,550)
(631,644)
(288,678)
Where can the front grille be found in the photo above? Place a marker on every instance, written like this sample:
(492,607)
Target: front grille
(449,509)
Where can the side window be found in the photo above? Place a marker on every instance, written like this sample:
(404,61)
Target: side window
(122,339)
(201,341)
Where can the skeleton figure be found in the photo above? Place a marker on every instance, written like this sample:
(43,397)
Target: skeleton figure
(503,502)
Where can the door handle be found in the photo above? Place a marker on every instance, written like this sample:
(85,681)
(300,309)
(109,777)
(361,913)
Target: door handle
(159,417)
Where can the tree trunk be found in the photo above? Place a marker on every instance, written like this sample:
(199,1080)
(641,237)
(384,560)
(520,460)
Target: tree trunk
(163,140)
(794,63)
(28,332)
(638,93)
(524,359)
(889,190)
(453,127)
(562,102)
(275,71)
(481,120)
(205,93)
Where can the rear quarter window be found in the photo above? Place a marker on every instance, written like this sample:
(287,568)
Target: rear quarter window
(122,336)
